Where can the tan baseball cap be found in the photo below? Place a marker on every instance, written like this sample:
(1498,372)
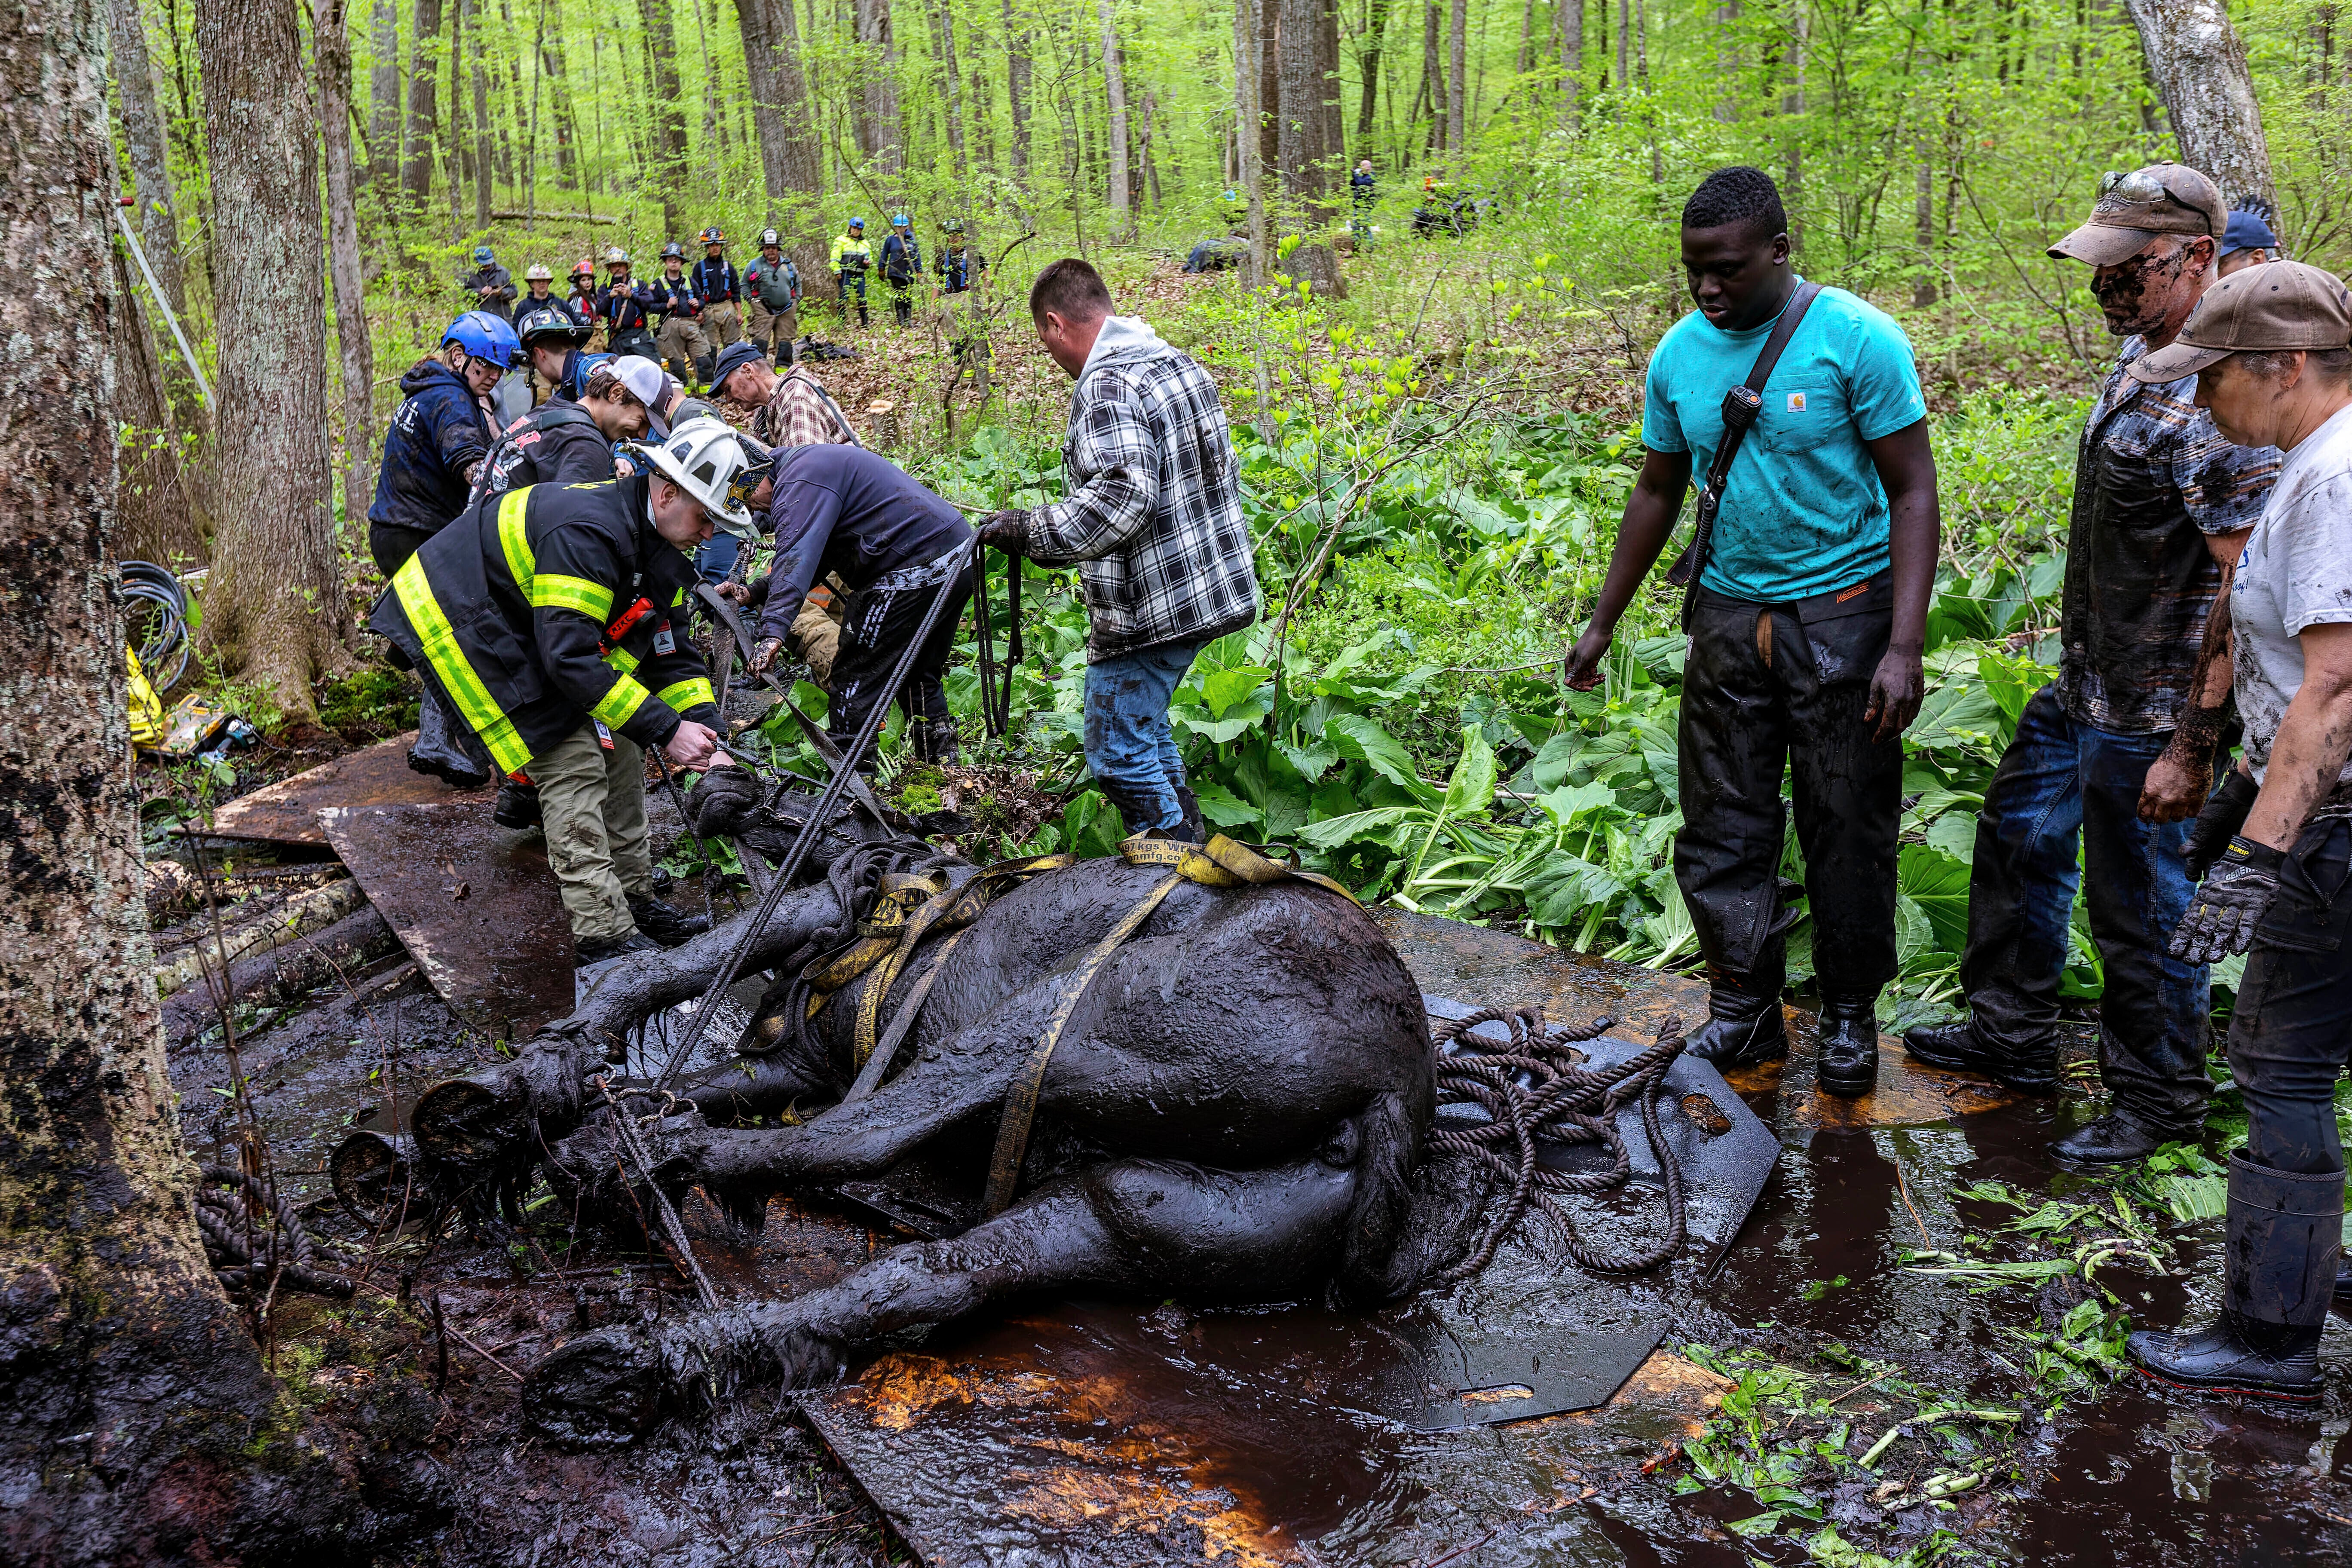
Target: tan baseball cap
(2277,306)
(2134,208)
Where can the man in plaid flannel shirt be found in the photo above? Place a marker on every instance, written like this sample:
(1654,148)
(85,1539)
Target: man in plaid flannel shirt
(1153,523)
(2117,752)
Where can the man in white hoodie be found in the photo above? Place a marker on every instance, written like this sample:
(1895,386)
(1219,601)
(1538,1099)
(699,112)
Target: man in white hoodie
(1153,521)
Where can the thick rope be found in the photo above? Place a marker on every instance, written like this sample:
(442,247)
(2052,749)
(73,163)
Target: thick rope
(253,1236)
(1565,1104)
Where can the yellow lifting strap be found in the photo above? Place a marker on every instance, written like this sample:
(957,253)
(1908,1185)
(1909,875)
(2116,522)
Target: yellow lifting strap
(1221,862)
(1021,1103)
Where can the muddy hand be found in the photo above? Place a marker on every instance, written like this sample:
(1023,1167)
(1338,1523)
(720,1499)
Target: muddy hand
(1583,664)
(2175,788)
(764,655)
(1896,689)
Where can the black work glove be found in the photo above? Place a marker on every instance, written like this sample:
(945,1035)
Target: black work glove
(2231,902)
(2225,812)
(1005,531)
(722,801)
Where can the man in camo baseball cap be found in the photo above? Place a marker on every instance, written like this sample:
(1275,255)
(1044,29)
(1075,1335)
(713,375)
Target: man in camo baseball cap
(2134,208)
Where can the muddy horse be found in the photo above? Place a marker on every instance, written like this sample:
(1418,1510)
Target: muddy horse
(1178,1071)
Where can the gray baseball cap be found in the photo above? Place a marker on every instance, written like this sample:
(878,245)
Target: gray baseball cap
(2269,309)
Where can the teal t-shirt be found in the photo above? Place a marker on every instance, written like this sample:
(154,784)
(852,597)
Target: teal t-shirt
(1803,512)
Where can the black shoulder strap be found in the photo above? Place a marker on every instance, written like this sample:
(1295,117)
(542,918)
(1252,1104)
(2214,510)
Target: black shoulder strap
(1740,406)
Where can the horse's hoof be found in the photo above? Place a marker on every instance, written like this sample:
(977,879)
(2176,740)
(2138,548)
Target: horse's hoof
(602,1389)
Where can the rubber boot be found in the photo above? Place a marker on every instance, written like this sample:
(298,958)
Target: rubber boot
(1956,1048)
(518,804)
(938,741)
(665,923)
(902,310)
(1192,829)
(1848,1065)
(2285,1233)
(1744,1024)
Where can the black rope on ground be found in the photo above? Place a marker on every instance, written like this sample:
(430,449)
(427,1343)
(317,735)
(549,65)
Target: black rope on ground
(252,1234)
(1565,1104)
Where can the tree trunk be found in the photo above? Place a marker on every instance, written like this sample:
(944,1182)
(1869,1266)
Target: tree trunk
(1572,60)
(423,112)
(1016,94)
(484,171)
(1269,87)
(134,1390)
(383,98)
(2200,67)
(1299,135)
(274,611)
(670,116)
(151,169)
(883,134)
(330,37)
(1793,104)
(1115,154)
(163,515)
(1458,81)
(1726,60)
(1376,27)
(951,80)
(1922,226)
(1246,58)
(1327,91)
(788,154)
(1432,77)
(559,95)
(460,154)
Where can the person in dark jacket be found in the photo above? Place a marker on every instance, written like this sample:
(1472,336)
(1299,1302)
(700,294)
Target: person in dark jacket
(720,289)
(551,619)
(565,441)
(582,301)
(437,437)
(623,305)
(489,287)
(902,263)
(551,340)
(684,351)
(848,511)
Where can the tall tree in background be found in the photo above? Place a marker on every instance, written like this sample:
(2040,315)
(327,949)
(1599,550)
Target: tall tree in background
(1457,79)
(416,178)
(1572,60)
(1248,52)
(945,18)
(330,41)
(274,612)
(150,167)
(2200,71)
(669,114)
(881,134)
(1115,91)
(1016,90)
(558,91)
(383,97)
(790,153)
(483,176)
(1368,68)
(134,1390)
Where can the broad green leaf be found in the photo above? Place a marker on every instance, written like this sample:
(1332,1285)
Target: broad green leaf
(1223,806)
(1471,789)
(1939,884)
(1221,688)
(1362,740)
(1373,826)
(1563,804)
(1555,761)
(1566,887)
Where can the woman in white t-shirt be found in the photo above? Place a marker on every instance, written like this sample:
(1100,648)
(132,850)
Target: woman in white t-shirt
(2269,346)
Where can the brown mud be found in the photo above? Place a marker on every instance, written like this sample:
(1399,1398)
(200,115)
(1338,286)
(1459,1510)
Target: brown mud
(1176,1436)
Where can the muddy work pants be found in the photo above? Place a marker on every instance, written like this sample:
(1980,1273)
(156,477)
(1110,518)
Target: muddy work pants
(2292,1033)
(878,625)
(1768,686)
(592,803)
(774,330)
(2062,783)
(1129,743)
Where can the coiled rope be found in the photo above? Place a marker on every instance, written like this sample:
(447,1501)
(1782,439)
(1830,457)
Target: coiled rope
(1565,1104)
(252,1236)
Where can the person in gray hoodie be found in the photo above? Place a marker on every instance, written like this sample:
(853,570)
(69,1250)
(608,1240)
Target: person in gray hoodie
(1153,523)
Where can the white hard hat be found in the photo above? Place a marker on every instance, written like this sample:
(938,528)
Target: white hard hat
(703,455)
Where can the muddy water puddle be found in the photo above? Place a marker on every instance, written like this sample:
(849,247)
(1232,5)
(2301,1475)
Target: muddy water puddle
(1232,1438)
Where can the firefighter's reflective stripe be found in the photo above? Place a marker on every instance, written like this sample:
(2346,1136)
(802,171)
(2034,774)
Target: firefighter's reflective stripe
(622,659)
(621,701)
(514,538)
(457,678)
(686,694)
(554,591)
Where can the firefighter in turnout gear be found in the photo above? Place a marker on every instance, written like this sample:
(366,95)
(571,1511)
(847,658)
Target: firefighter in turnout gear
(581,303)
(623,305)
(552,618)
(902,263)
(851,260)
(773,286)
(720,289)
(684,351)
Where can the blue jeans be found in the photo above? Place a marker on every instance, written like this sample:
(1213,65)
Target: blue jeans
(716,559)
(2060,782)
(1128,744)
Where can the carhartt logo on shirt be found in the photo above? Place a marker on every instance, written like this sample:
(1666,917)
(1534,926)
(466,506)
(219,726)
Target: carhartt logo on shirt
(1796,403)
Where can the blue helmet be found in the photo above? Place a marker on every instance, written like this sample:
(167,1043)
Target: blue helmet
(858,223)
(484,336)
(901,220)
(482,257)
